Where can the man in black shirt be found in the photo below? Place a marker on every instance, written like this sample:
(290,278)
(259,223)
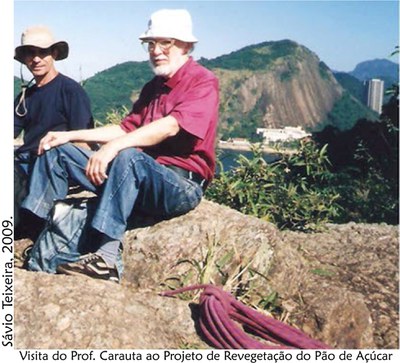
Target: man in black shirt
(53,103)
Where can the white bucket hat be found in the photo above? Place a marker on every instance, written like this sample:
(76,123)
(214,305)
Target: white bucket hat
(166,23)
(40,37)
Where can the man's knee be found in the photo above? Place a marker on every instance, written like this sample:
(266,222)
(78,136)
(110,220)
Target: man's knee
(129,156)
(65,149)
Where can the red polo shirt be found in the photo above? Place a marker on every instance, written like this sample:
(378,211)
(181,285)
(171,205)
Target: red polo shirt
(191,96)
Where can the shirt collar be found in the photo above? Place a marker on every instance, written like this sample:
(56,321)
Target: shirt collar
(175,79)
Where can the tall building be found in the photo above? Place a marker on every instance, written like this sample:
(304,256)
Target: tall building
(375,94)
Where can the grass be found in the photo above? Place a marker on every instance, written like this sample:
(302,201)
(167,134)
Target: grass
(229,269)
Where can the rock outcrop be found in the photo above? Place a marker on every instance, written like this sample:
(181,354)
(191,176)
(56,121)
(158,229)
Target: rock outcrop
(293,90)
(339,286)
(276,83)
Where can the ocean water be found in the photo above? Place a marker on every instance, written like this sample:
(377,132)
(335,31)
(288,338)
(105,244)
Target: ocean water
(229,157)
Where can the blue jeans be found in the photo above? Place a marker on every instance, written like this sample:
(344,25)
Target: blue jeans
(135,182)
(23,163)
(24,160)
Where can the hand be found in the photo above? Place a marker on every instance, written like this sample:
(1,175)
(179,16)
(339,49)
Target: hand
(53,139)
(96,169)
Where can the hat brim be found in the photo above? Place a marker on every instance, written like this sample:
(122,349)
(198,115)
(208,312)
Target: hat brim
(61,47)
(150,35)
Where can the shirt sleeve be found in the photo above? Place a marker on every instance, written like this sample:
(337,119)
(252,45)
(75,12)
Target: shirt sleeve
(78,111)
(195,111)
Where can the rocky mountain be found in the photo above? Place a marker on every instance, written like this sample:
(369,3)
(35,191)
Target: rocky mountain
(275,84)
(271,84)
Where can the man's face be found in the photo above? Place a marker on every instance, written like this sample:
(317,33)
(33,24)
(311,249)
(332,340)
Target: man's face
(39,61)
(167,55)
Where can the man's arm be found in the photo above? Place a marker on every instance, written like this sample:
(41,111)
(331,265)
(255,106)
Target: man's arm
(114,139)
(101,135)
(148,135)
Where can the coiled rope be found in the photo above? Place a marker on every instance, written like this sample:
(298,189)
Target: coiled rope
(21,109)
(218,312)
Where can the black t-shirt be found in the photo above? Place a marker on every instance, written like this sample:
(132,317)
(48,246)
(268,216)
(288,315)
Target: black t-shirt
(60,105)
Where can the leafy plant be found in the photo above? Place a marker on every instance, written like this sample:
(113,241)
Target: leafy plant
(114,116)
(223,266)
(293,192)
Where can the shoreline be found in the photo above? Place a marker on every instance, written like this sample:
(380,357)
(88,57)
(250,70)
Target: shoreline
(247,147)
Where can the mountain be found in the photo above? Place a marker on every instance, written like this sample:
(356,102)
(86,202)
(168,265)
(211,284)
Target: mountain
(277,84)
(377,68)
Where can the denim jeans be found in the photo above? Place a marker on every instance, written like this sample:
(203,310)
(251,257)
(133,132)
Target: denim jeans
(23,163)
(135,182)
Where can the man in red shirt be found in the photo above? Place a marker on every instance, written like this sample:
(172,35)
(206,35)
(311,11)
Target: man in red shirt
(158,161)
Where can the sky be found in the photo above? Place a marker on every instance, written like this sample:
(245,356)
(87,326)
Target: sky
(102,34)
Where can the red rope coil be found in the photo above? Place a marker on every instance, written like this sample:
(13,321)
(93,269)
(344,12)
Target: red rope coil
(219,311)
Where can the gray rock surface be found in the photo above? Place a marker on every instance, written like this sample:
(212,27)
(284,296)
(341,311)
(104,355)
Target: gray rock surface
(340,286)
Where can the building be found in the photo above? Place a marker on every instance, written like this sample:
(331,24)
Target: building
(288,133)
(375,94)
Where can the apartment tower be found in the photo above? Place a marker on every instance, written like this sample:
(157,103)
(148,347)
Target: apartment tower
(375,94)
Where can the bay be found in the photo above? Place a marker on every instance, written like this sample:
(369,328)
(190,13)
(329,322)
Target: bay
(229,157)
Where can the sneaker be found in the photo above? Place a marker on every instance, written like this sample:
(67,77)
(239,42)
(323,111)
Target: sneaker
(27,252)
(92,265)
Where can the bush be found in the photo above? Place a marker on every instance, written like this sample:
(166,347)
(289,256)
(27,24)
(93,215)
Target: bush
(293,192)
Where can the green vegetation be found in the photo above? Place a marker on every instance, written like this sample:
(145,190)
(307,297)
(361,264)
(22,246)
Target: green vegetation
(228,268)
(245,127)
(293,192)
(346,111)
(114,116)
(365,165)
(291,71)
(324,70)
(114,87)
(254,57)
(352,85)
(338,176)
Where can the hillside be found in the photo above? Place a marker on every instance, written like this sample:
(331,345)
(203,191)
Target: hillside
(352,84)
(116,87)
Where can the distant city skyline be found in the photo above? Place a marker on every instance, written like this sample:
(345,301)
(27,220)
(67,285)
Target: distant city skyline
(102,34)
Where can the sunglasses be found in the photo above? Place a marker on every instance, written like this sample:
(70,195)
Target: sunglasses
(164,45)
(32,52)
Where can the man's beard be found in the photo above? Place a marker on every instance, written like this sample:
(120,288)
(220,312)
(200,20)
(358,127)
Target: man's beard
(163,70)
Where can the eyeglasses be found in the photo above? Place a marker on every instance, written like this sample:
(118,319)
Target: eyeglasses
(33,52)
(164,45)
